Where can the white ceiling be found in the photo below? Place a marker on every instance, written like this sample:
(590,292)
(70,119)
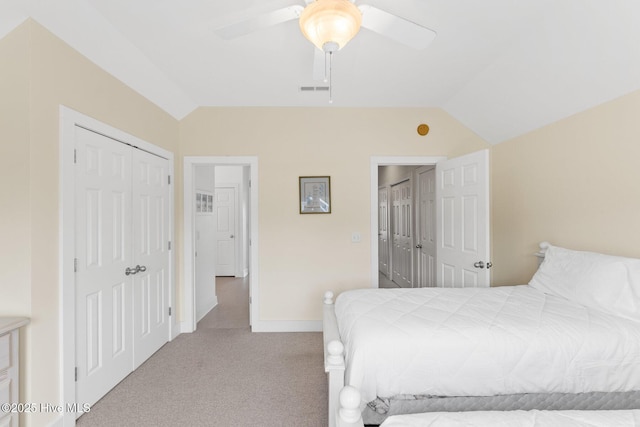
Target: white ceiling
(501,67)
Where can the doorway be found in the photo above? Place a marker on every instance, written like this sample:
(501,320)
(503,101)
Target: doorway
(462,218)
(245,228)
(221,232)
(406,218)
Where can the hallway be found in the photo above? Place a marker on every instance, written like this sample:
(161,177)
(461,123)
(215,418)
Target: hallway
(232,310)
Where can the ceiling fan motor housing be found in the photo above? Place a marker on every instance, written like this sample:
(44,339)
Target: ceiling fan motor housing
(330,47)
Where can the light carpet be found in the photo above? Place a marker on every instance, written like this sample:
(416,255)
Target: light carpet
(222,377)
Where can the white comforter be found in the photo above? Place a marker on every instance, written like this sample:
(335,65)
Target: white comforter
(482,342)
(629,418)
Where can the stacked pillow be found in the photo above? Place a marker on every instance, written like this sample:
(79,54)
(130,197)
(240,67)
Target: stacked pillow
(604,282)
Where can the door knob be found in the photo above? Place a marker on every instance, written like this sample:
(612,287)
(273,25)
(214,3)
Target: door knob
(231,237)
(478,264)
(418,246)
(137,269)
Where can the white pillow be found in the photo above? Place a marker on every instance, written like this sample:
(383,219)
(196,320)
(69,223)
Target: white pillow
(604,282)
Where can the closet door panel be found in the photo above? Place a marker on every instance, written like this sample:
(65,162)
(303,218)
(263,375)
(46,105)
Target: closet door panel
(104,347)
(150,251)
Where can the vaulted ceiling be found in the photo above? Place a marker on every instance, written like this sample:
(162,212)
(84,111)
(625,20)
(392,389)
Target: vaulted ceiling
(501,67)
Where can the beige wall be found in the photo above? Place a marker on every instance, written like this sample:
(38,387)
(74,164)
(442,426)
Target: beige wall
(15,227)
(54,75)
(575,183)
(301,256)
(15,197)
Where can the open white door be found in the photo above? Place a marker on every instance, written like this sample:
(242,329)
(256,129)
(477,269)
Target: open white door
(462,196)
(205,254)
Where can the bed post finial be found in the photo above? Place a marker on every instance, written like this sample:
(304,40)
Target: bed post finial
(328,297)
(349,412)
(543,249)
(336,350)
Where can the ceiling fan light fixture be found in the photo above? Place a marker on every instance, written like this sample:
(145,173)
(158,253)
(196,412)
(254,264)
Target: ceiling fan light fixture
(330,24)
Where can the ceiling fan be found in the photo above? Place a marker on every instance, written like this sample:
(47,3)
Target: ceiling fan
(330,24)
(374,19)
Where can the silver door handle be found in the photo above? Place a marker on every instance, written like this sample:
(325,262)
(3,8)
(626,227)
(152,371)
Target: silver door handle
(137,269)
(418,246)
(478,264)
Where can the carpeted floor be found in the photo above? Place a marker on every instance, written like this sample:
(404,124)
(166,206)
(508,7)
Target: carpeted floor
(223,375)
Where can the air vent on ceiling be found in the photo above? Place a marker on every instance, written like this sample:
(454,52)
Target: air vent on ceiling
(314,88)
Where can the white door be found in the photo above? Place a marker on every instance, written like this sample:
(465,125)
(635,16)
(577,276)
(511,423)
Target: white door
(104,294)
(150,212)
(383,231)
(123,214)
(224,206)
(462,195)
(401,231)
(426,227)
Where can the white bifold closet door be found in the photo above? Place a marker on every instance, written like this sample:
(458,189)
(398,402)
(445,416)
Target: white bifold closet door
(122,260)
(401,232)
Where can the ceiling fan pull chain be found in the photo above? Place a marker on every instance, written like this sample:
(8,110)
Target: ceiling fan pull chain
(330,79)
(326,67)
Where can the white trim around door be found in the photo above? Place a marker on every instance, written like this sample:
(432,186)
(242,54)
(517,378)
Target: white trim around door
(69,121)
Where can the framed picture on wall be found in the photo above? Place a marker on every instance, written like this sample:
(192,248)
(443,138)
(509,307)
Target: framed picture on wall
(315,194)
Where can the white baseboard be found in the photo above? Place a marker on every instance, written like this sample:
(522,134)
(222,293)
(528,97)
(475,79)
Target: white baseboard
(186,327)
(287,326)
(207,308)
(272,326)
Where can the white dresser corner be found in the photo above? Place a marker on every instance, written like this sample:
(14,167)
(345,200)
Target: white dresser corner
(10,368)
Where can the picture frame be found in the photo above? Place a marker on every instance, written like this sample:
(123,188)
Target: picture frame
(315,194)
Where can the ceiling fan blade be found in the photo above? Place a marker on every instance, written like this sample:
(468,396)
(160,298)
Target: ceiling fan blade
(319,65)
(396,28)
(264,20)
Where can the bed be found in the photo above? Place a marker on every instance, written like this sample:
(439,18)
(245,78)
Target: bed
(569,339)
